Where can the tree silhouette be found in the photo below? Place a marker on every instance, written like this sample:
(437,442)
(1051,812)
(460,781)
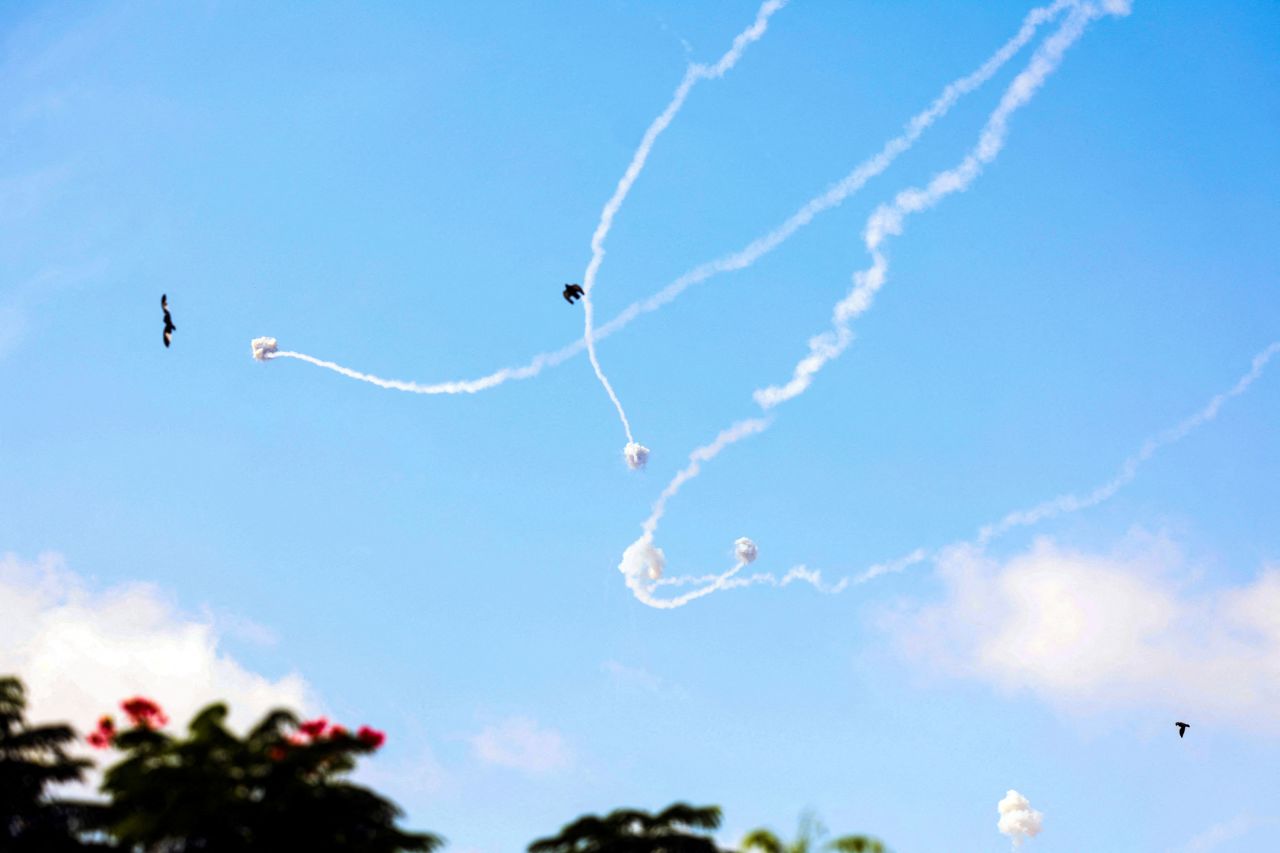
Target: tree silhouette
(279,788)
(633,831)
(809,839)
(31,759)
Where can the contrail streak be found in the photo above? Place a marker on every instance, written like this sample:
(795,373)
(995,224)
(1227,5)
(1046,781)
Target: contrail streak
(753,251)
(693,75)
(642,556)
(888,219)
(1028,517)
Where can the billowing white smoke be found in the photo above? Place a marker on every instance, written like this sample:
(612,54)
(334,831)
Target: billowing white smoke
(745,550)
(263,348)
(637,455)
(1017,819)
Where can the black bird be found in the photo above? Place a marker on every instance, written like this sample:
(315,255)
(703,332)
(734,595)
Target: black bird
(572,292)
(1182,728)
(168,321)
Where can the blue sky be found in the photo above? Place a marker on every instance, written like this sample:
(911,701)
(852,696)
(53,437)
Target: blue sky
(404,188)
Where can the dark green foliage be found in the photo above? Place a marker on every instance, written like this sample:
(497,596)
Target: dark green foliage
(31,759)
(633,831)
(214,791)
(809,839)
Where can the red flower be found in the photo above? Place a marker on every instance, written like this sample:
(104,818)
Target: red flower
(314,728)
(103,736)
(143,712)
(371,737)
(339,731)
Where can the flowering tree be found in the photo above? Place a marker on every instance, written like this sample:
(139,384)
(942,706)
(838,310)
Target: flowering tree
(280,787)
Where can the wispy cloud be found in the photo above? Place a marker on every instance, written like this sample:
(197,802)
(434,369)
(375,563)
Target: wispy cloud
(1091,632)
(521,744)
(1220,833)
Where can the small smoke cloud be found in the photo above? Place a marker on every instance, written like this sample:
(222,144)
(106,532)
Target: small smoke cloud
(745,550)
(637,455)
(1017,819)
(1117,7)
(263,348)
(642,560)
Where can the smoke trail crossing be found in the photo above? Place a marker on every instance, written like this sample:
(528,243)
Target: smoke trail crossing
(753,251)
(643,563)
(887,220)
(635,453)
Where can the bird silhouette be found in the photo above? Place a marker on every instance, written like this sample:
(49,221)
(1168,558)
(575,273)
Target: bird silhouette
(572,292)
(168,321)
(1182,728)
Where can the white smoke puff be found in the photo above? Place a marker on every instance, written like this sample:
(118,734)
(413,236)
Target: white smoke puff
(1017,819)
(642,559)
(1117,7)
(263,348)
(636,455)
(745,550)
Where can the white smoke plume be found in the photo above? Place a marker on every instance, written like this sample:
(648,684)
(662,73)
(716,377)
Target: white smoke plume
(888,219)
(745,550)
(1017,819)
(743,258)
(693,75)
(263,348)
(637,455)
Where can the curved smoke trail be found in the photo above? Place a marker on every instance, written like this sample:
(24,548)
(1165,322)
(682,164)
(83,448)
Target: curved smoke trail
(636,453)
(749,254)
(1027,517)
(886,221)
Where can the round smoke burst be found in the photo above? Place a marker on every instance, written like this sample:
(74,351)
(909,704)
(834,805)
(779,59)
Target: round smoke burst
(263,348)
(636,455)
(745,550)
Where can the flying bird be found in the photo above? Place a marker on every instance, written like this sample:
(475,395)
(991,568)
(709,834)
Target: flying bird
(1182,728)
(168,321)
(572,292)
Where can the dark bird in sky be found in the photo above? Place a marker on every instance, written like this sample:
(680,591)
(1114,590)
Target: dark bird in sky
(572,292)
(1182,728)
(168,321)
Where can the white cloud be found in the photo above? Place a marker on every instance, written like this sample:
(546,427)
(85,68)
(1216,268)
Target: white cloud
(1220,833)
(1096,631)
(81,651)
(519,743)
(632,676)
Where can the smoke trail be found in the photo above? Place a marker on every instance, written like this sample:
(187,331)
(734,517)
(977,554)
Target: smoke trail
(888,219)
(756,249)
(643,563)
(1028,517)
(642,558)
(1129,469)
(692,76)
